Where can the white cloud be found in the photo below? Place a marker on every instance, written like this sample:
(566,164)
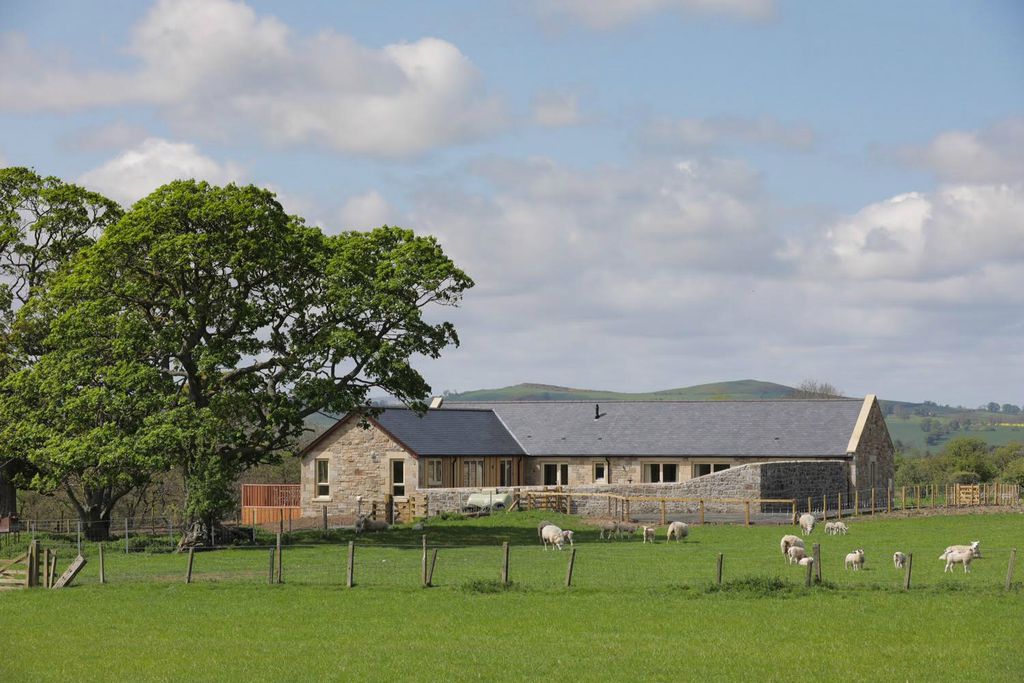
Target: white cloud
(993,154)
(675,135)
(556,109)
(365,211)
(609,14)
(136,172)
(216,68)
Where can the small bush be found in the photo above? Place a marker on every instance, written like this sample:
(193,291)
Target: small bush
(488,586)
(753,585)
(450,516)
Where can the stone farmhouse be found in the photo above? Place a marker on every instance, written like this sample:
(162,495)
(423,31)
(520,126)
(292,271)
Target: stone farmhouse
(750,449)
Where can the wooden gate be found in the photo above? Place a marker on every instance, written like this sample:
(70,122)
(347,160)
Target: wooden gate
(967,494)
(14,573)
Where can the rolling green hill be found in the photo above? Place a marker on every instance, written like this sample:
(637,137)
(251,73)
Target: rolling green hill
(747,389)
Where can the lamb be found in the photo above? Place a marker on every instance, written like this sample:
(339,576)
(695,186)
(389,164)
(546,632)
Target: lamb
(607,527)
(568,536)
(628,528)
(788,541)
(839,528)
(855,560)
(953,556)
(807,522)
(364,523)
(552,535)
(804,561)
(974,547)
(540,527)
(796,553)
(649,534)
(677,530)
(899,560)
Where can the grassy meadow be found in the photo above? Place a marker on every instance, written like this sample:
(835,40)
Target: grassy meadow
(635,611)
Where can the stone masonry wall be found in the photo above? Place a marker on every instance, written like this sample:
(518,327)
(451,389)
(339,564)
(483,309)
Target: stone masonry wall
(875,443)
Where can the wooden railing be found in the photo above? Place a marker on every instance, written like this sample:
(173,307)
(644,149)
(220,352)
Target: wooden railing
(268,503)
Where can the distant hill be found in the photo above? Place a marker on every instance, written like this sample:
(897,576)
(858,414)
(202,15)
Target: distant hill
(741,390)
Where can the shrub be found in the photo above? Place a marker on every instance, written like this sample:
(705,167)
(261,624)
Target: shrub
(964,477)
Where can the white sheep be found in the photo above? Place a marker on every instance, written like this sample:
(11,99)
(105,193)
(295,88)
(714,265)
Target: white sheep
(953,556)
(649,534)
(807,522)
(627,528)
(804,561)
(795,554)
(552,535)
(364,523)
(788,541)
(855,560)
(974,547)
(608,528)
(568,536)
(540,527)
(899,560)
(677,530)
(839,528)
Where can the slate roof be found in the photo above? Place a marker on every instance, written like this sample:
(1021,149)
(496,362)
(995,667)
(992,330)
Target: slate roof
(450,432)
(798,428)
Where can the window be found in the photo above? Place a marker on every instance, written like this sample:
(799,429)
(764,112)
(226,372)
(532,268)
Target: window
(699,469)
(505,469)
(472,472)
(433,473)
(323,484)
(556,474)
(666,472)
(398,477)
(600,474)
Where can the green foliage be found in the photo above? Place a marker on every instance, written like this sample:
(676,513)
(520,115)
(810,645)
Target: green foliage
(1013,473)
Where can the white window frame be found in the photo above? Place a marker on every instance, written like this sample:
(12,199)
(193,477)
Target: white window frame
(603,479)
(393,485)
(645,472)
(324,483)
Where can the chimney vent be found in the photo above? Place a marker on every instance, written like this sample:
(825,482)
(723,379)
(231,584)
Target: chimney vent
(597,411)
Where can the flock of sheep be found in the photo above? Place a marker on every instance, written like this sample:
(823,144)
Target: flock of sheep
(792,546)
(794,552)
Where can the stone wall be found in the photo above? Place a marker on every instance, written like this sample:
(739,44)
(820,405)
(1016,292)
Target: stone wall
(874,445)
(786,479)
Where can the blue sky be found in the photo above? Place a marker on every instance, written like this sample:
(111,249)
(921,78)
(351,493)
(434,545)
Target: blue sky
(649,193)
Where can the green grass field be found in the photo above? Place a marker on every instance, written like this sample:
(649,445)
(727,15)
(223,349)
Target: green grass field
(908,431)
(635,612)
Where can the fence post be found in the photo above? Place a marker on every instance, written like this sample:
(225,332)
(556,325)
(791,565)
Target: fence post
(280,559)
(807,579)
(46,567)
(903,498)
(888,499)
(873,500)
(568,572)
(718,570)
(1009,568)
(839,506)
(663,511)
(794,511)
(79,537)
(423,568)
(746,513)
(910,567)
(430,572)
(856,502)
(504,563)
(103,576)
(270,568)
(917,495)
(350,573)
(702,510)
(191,556)
(808,503)
(816,552)
(325,517)
(125,535)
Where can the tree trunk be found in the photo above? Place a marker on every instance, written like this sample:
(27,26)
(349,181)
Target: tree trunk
(8,495)
(96,523)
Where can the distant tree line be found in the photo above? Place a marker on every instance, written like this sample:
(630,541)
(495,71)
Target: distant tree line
(964,460)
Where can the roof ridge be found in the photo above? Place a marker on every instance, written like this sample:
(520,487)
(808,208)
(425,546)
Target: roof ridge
(846,399)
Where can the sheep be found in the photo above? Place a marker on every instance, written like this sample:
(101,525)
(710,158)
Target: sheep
(899,560)
(628,528)
(552,535)
(677,530)
(974,547)
(607,527)
(807,522)
(855,560)
(839,528)
(364,523)
(953,556)
(804,561)
(649,533)
(540,527)
(788,541)
(796,553)
(567,535)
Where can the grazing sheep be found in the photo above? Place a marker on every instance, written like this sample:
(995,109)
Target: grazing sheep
(830,528)
(540,527)
(568,536)
(608,527)
(804,561)
(796,553)
(649,534)
(788,541)
(627,528)
(807,522)
(953,556)
(855,560)
(677,530)
(364,523)
(974,547)
(839,528)
(899,560)
(552,535)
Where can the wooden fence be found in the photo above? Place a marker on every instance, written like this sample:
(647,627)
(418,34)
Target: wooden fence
(269,503)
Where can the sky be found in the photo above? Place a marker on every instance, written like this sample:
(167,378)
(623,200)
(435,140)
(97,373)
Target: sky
(648,193)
